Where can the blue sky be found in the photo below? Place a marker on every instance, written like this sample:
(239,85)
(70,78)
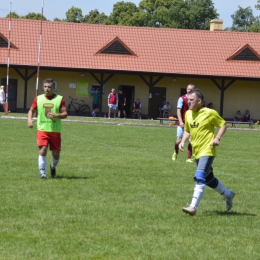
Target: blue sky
(58,8)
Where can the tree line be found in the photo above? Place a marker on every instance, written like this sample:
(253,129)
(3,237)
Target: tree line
(181,14)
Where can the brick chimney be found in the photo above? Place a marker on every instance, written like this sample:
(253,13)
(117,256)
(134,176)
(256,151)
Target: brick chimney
(216,25)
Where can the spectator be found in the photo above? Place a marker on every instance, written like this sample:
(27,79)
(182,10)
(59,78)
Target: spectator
(210,105)
(112,103)
(238,116)
(2,97)
(137,108)
(166,109)
(95,102)
(121,103)
(247,117)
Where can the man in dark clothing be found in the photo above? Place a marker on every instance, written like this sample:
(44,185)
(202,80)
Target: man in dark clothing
(121,103)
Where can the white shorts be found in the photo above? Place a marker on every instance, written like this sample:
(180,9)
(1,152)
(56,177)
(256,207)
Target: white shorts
(2,102)
(112,106)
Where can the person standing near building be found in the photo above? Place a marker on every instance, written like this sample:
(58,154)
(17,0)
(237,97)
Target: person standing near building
(2,97)
(121,103)
(200,123)
(182,107)
(95,102)
(112,103)
(51,109)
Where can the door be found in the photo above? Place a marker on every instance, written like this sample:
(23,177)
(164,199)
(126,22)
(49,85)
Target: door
(158,100)
(12,93)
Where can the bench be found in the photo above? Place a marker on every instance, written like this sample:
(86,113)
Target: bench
(234,123)
(166,119)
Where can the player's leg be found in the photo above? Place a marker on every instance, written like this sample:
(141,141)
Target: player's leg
(219,187)
(55,147)
(115,112)
(42,141)
(180,131)
(109,111)
(140,114)
(42,161)
(93,110)
(203,166)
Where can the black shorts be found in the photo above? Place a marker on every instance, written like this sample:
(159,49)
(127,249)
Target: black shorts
(121,107)
(95,106)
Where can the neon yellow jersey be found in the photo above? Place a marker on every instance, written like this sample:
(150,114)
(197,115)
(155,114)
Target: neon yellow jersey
(201,125)
(45,106)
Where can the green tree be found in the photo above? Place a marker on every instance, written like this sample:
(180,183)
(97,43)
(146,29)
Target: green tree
(257,6)
(156,12)
(94,17)
(243,18)
(188,14)
(255,27)
(59,20)
(33,16)
(74,15)
(125,13)
(13,15)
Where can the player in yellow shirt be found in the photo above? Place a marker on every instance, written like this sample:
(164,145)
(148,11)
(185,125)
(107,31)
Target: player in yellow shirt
(199,125)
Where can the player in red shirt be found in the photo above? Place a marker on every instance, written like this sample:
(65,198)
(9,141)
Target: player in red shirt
(137,108)
(182,107)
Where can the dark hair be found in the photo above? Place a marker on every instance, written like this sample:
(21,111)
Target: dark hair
(209,105)
(198,94)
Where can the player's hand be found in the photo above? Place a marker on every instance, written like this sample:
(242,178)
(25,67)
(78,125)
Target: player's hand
(50,115)
(215,142)
(30,123)
(181,146)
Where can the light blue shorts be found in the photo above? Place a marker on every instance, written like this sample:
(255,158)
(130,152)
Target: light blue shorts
(180,131)
(112,106)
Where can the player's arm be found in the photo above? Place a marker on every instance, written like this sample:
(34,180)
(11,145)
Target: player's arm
(179,107)
(30,117)
(221,131)
(179,117)
(185,137)
(31,112)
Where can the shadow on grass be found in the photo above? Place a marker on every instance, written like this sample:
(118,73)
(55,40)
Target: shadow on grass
(231,213)
(73,177)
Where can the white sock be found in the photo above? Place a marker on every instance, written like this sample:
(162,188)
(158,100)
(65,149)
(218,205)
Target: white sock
(54,162)
(197,195)
(42,164)
(222,190)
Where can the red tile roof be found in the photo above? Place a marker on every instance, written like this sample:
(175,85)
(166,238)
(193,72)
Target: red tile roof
(158,50)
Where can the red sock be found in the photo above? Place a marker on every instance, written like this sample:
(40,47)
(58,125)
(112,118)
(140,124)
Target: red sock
(176,147)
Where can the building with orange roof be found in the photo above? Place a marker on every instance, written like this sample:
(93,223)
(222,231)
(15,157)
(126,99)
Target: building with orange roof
(152,64)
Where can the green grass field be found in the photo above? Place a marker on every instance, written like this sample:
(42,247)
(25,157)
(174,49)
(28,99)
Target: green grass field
(118,195)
